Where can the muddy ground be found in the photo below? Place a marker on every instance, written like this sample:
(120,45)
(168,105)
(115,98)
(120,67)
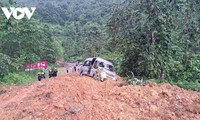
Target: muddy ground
(74,97)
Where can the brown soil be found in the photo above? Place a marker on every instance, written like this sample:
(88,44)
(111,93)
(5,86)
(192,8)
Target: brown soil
(71,97)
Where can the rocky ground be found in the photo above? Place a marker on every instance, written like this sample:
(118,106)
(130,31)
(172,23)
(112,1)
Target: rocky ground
(73,97)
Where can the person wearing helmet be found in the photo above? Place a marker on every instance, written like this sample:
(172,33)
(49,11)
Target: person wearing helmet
(43,75)
(67,69)
(39,76)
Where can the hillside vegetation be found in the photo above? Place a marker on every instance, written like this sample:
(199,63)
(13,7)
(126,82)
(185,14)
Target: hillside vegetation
(154,39)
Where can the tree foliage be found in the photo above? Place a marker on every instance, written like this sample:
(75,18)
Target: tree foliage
(153,38)
(83,22)
(158,38)
(27,41)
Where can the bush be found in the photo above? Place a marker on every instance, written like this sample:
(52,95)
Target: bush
(188,85)
(21,78)
(13,78)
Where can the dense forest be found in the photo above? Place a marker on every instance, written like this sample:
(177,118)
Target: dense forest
(83,24)
(155,39)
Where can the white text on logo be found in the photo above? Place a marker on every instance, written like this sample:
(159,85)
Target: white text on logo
(14,12)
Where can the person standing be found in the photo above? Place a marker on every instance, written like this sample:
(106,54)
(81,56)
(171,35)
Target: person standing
(67,69)
(75,68)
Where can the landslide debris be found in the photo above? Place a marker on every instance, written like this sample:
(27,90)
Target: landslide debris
(72,97)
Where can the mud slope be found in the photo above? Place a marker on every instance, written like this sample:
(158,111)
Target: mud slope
(71,97)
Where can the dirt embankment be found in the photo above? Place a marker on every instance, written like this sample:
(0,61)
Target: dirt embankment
(71,97)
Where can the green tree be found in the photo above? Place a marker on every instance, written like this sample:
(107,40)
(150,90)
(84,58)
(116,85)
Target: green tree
(150,36)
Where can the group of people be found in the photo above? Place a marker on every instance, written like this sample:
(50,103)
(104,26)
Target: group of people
(52,73)
(72,68)
(76,68)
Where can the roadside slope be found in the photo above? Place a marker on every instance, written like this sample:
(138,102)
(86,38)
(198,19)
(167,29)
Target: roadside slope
(73,97)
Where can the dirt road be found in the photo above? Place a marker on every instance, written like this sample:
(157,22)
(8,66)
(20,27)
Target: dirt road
(72,97)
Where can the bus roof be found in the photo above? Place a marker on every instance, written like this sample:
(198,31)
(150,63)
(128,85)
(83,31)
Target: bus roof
(100,59)
(90,59)
(105,61)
